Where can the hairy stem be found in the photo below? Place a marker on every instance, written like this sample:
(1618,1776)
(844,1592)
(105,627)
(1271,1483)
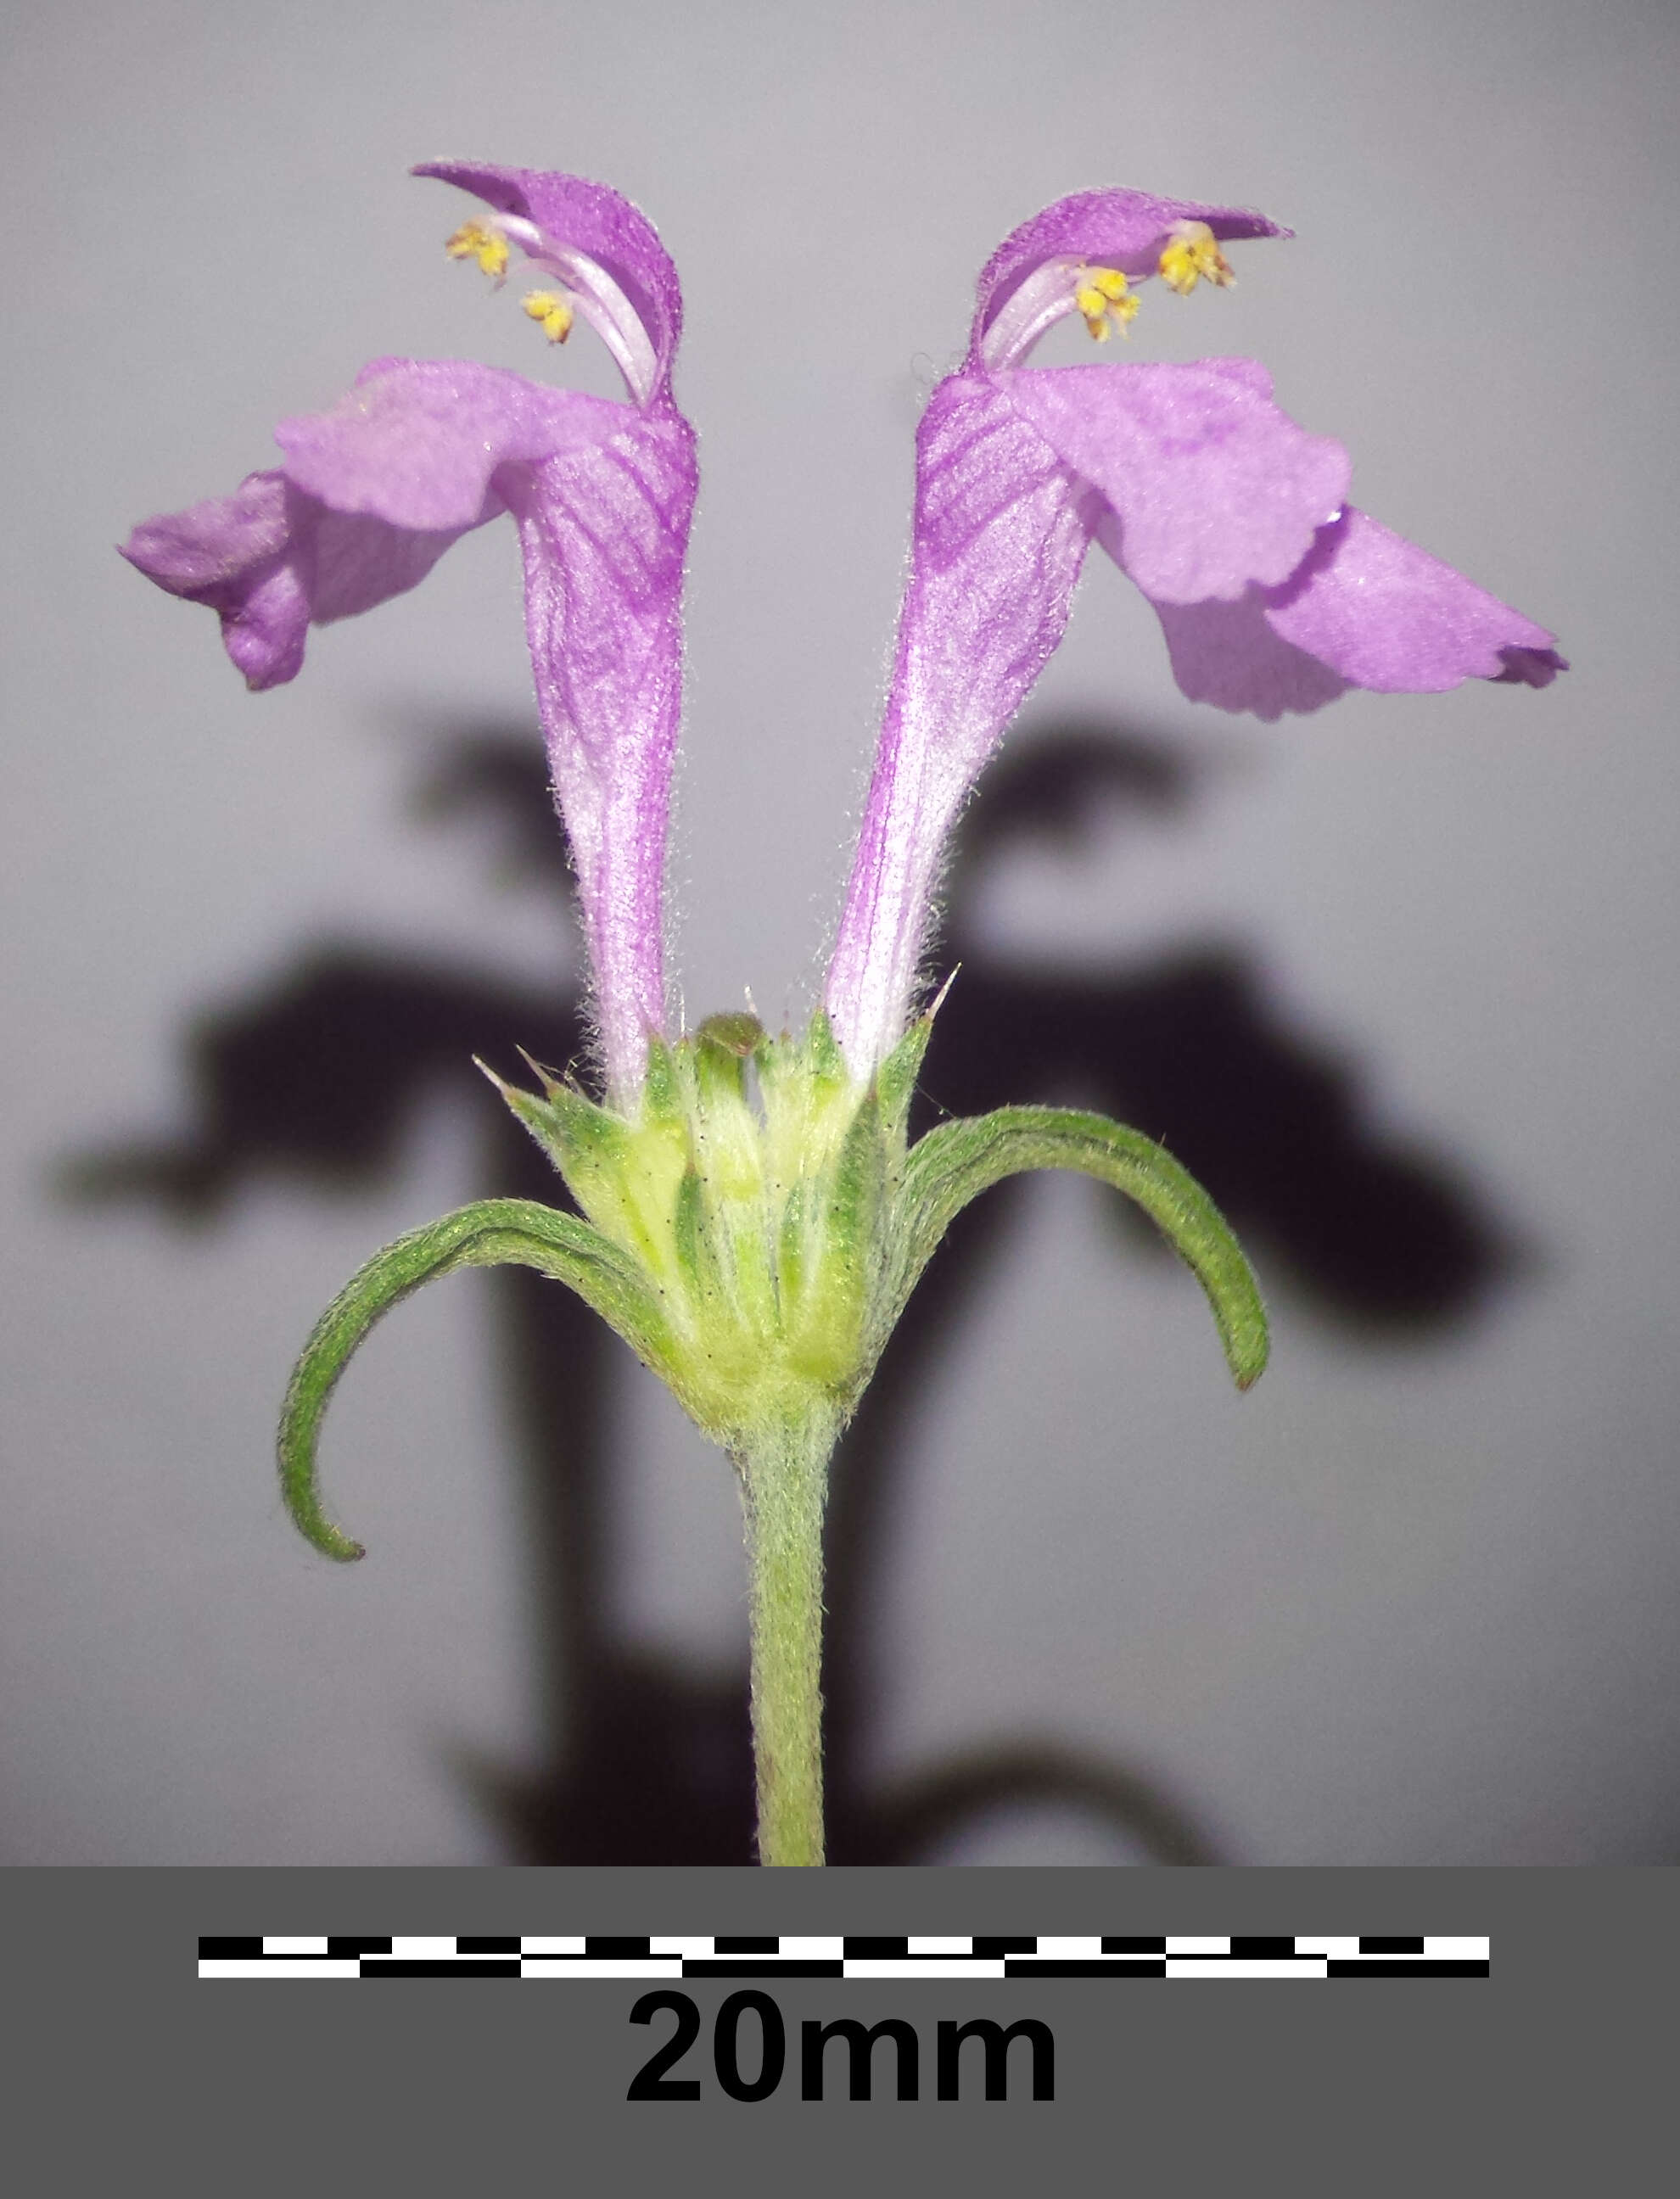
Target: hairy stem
(785,1485)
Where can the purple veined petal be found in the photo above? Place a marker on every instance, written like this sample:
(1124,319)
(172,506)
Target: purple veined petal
(1212,485)
(271,561)
(376,490)
(1024,286)
(1000,533)
(603,527)
(1366,609)
(603,248)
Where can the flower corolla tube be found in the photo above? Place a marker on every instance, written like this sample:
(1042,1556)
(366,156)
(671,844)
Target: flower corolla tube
(755,1238)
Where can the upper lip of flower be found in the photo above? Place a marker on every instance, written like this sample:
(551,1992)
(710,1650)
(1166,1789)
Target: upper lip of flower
(607,254)
(1029,281)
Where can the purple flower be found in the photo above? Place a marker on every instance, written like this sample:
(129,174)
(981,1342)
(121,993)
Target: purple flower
(1274,594)
(421,451)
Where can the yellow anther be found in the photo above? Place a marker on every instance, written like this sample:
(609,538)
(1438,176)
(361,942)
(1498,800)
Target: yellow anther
(473,240)
(551,313)
(1191,254)
(1104,298)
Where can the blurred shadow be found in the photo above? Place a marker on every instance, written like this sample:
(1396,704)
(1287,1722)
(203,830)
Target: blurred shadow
(1192,1049)
(1386,1241)
(319,1077)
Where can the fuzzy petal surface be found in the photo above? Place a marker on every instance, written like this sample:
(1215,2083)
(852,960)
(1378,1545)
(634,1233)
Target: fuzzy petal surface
(1001,528)
(603,527)
(1212,485)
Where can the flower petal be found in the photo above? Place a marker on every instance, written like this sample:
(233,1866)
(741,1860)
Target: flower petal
(1002,529)
(577,217)
(603,525)
(1385,615)
(1366,609)
(1212,485)
(1119,228)
(372,494)
(417,442)
(1228,654)
(270,561)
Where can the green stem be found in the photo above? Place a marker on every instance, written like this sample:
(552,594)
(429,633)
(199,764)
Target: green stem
(784,1484)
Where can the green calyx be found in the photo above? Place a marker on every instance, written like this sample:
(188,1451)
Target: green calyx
(753,1229)
(755,1187)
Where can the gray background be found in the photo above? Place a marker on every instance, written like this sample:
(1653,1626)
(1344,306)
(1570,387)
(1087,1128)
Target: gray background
(1414,1600)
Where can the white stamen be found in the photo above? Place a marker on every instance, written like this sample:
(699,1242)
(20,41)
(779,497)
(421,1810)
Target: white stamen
(599,299)
(1045,297)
